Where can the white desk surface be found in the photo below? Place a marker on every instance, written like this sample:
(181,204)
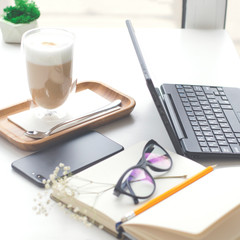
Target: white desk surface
(107,55)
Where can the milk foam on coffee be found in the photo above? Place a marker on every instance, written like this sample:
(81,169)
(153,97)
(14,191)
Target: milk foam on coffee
(49,66)
(48,48)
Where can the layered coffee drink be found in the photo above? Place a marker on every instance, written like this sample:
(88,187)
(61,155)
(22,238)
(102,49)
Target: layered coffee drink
(55,89)
(49,59)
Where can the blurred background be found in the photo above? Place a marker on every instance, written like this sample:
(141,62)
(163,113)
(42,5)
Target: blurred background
(113,13)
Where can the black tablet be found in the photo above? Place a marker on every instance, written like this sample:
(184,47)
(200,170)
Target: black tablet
(78,153)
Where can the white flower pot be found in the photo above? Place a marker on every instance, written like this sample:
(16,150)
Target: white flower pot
(12,33)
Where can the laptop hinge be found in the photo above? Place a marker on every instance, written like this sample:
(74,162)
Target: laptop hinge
(174,117)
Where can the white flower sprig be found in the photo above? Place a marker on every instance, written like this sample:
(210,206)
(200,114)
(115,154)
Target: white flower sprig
(43,200)
(44,203)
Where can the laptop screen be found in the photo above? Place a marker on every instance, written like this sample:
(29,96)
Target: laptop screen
(155,93)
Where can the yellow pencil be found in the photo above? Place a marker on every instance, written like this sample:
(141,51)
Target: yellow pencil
(167,194)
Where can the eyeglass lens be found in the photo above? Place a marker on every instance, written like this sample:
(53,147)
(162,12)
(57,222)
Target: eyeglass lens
(138,182)
(157,157)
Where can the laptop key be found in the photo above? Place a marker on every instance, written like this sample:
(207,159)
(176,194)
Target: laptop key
(207,133)
(192,99)
(227,130)
(226,149)
(188,109)
(186,103)
(203,144)
(201,118)
(232,140)
(192,118)
(216,93)
(215,149)
(194,123)
(198,133)
(195,104)
(217,132)
(235,148)
(205,149)
(224,125)
(190,114)
(213,144)
(215,105)
(198,108)
(207,89)
(182,95)
(203,123)
(205,128)
(213,122)
(187,86)
(209,96)
(222,120)
(219,115)
(200,94)
(204,103)
(208,112)
(211,117)
(201,139)
(210,139)
(217,110)
(229,135)
(191,94)
(180,90)
(184,99)
(224,102)
(215,127)
(199,113)
(206,107)
(224,98)
(220,137)
(202,98)
(223,143)
(213,101)
(197,88)
(196,128)
(189,90)
(226,107)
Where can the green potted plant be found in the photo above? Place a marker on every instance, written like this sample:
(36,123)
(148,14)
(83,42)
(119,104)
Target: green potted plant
(18,19)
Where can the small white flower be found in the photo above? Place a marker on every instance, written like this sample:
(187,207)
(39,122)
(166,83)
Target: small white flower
(76,210)
(69,206)
(61,165)
(66,168)
(100,227)
(52,177)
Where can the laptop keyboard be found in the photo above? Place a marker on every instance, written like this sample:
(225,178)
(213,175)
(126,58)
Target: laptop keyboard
(213,120)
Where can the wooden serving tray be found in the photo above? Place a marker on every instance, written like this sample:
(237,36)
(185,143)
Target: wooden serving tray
(15,134)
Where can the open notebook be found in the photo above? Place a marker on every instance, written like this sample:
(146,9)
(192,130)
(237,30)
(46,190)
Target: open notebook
(207,209)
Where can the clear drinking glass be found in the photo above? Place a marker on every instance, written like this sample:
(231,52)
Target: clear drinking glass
(49,61)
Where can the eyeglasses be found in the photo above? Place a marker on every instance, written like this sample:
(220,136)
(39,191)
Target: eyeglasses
(137,182)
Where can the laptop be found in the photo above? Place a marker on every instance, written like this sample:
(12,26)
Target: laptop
(202,121)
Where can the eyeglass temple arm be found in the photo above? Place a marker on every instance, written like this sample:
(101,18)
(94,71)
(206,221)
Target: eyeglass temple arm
(126,184)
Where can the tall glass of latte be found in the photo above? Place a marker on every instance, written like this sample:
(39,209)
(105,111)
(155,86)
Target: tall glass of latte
(49,60)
